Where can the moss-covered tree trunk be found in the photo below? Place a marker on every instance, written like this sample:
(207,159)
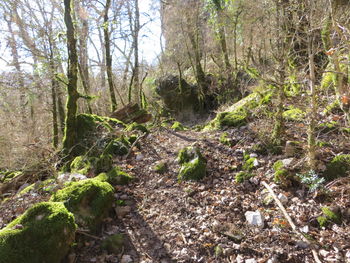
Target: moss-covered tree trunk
(54,87)
(109,56)
(70,132)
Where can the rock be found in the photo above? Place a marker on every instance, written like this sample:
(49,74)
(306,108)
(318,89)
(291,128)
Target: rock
(287,162)
(115,177)
(255,218)
(139,157)
(69,177)
(88,200)
(255,163)
(253,155)
(193,164)
(302,244)
(47,232)
(283,198)
(250,260)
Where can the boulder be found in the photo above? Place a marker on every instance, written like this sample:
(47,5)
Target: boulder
(193,164)
(44,233)
(89,201)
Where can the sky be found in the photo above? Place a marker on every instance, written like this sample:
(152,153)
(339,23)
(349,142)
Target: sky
(149,36)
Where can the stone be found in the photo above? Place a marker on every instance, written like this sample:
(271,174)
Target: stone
(255,218)
(283,198)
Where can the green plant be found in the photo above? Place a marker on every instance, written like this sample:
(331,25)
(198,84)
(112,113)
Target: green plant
(312,180)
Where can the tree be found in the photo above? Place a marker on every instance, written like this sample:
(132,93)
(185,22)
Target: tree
(70,132)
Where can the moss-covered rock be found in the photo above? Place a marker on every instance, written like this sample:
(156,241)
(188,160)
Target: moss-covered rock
(114,244)
(44,233)
(338,167)
(282,175)
(224,139)
(81,165)
(161,167)
(330,215)
(193,164)
(294,114)
(115,177)
(104,163)
(177,126)
(137,127)
(88,200)
(117,147)
(242,176)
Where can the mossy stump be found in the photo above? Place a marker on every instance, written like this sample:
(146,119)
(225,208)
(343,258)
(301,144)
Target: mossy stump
(193,164)
(44,233)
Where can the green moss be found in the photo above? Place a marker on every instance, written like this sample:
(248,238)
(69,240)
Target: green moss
(328,80)
(7,176)
(177,126)
(114,244)
(44,233)
(281,175)
(338,167)
(242,176)
(118,147)
(115,177)
(104,163)
(328,126)
(193,164)
(137,127)
(81,165)
(294,114)
(161,167)
(45,186)
(248,164)
(334,107)
(88,200)
(345,130)
(225,140)
(329,216)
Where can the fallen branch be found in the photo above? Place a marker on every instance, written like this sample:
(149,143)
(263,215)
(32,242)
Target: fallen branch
(290,221)
(83,232)
(133,145)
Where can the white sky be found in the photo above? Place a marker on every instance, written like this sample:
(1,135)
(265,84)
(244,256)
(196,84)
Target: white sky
(149,37)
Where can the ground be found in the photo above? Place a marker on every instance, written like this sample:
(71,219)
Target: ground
(164,220)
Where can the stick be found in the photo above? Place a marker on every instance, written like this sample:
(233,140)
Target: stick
(290,221)
(87,234)
(133,145)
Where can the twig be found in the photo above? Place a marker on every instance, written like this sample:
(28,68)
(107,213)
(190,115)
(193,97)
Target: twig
(290,221)
(133,145)
(79,231)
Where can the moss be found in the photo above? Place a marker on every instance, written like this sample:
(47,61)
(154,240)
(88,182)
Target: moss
(161,167)
(115,177)
(114,244)
(137,127)
(118,147)
(81,165)
(248,164)
(334,107)
(104,163)
(281,175)
(338,167)
(328,126)
(7,176)
(225,140)
(193,164)
(88,200)
(242,176)
(44,233)
(294,114)
(345,130)
(177,126)
(45,186)
(328,80)
(329,216)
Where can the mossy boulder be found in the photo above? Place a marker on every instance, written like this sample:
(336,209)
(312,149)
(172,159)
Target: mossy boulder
(330,215)
(44,233)
(117,147)
(81,165)
(282,175)
(177,126)
(193,164)
(137,127)
(338,167)
(294,114)
(89,201)
(115,177)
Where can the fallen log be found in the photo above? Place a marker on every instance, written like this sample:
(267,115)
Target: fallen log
(132,113)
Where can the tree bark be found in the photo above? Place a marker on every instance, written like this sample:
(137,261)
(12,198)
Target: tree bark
(70,132)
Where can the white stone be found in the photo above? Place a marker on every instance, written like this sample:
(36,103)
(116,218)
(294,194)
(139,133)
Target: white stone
(250,260)
(253,155)
(255,218)
(283,198)
(256,162)
(287,162)
(139,157)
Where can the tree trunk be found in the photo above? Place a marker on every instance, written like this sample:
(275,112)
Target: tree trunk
(70,132)
(135,33)
(109,57)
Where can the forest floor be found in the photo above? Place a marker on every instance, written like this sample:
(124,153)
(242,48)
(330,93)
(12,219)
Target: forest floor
(166,221)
